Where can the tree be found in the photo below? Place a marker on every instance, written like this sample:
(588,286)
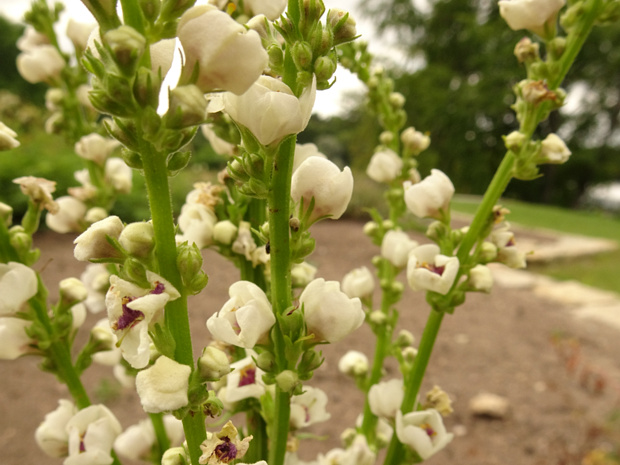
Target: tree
(462,95)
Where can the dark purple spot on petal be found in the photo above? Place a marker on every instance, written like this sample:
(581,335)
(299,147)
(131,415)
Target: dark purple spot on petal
(248,376)
(159,288)
(226,451)
(129,317)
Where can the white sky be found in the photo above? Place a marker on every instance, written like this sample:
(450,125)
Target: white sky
(328,102)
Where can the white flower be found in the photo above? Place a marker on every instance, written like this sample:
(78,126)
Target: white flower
(118,175)
(162,54)
(358,453)
(131,309)
(429,270)
(69,217)
(244,381)
(480,278)
(15,341)
(385,398)
(224,447)
(213,364)
(272,9)
(322,180)
(224,232)
(353,363)
(384,166)
(270,110)
(136,442)
(415,141)
(163,386)
(91,434)
(51,435)
(423,431)
(554,150)
(40,64)
(197,222)
(79,33)
(358,283)
(244,243)
(245,319)
(175,456)
(39,190)
(218,144)
(8,139)
(302,273)
(529,14)
(93,242)
(95,147)
(31,39)
(328,312)
(430,197)
(229,56)
(73,290)
(110,355)
(304,151)
(507,251)
(309,408)
(18,283)
(396,246)
(96,278)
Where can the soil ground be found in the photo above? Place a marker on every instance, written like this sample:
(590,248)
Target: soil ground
(560,375)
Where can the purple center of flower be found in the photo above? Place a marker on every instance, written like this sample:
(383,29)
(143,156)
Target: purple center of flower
(433,268)
(226,451)
(159,288)
(129,317)
(248,376)
(429,429)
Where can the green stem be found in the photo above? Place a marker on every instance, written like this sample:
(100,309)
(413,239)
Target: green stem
(413,381)
(281,290)
(163,442)
(133,15)
(258,429)
(176,315)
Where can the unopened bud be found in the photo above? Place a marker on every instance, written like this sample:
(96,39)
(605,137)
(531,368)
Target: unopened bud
(224,232)
(302,55)
(127,46)
(213,364)
(414,141)
(189,261)
(72,291)
(324,68)
(377,317)
(6,214)
(138,239)
(287,380)
(188,107)
(342,25)
(404,338)
(266,362)
(527,51)
(514,141)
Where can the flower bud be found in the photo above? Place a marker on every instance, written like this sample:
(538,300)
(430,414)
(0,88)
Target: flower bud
(175,456)
(527,51)
(213,364)
(127,46)
(488,252)
(72,291)
(414,141)
(404,338)
(95,147)
(481,279)
(324,68)
(188,107)
(287,380)
(302,55)
(189,261)
(384,166)
(353,363)
(224,232)
(6,214)
(342,25)
(553,150)
(138,239)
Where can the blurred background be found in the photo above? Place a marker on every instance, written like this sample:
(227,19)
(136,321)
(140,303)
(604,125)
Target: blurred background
(452,60)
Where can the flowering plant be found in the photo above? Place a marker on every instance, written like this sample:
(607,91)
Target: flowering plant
(249,77)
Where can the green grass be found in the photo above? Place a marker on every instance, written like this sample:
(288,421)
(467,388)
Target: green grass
(586,223)
(602,271)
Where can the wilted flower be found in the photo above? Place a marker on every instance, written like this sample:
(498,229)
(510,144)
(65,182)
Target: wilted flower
(430,198)
(384,166)
(39,190)
(270,110)
(69,217)
(163,386)
(245,319)
(51,435)
(93,242)
(529,14)
(309,408)
(423,431)
(358,283)
(322,180)
(18,283)
(385,398)
(429,270)
(396,246)
(229,56)
(439,400)
(131,309)
(328,312)
(40,64)
(224,447)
